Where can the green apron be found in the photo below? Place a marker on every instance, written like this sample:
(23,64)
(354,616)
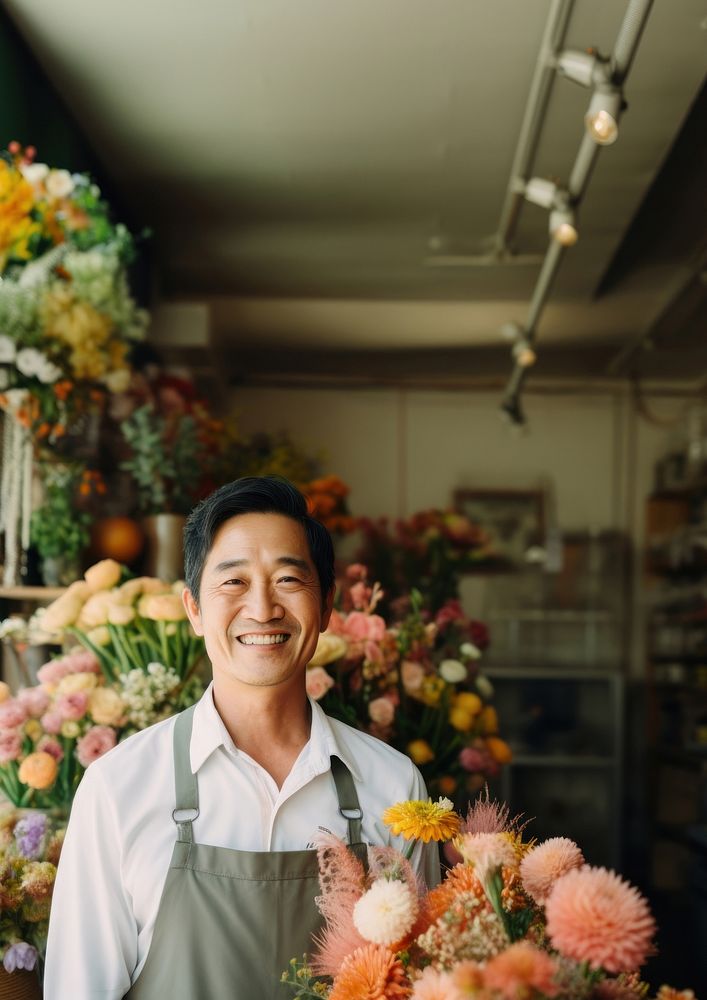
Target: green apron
(230,921)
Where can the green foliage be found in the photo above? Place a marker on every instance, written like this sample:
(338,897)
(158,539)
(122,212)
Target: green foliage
(57,528)
(299,976)
(166,461)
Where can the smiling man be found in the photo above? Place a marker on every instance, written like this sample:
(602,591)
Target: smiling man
(188,870)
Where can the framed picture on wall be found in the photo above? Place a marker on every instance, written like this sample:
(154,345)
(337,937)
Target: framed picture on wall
(512,519)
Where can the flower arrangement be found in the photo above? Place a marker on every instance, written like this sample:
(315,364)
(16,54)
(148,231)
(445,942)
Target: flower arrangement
(513,920)
(67,324)
(326,499)
(432,546)
(30,845)
(413,681)
(135,663)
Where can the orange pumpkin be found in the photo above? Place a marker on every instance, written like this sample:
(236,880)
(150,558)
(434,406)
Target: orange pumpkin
(118,538)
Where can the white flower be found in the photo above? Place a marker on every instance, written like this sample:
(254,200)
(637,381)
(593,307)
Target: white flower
(35,173)
(117,381)
(8,350)
(452,671)
(444,803)
(484,687)
(469,650)
(59,184)
(48,372)
(29,360)
(386,912)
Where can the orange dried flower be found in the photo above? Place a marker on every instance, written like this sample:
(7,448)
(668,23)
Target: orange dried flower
(371,973)
(520,969)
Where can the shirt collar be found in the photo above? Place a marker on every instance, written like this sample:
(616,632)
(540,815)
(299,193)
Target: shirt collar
(209,733)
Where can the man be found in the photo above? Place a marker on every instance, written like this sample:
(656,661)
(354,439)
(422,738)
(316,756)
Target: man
(188,870)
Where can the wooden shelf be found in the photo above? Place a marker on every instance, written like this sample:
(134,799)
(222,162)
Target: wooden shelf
(39,594)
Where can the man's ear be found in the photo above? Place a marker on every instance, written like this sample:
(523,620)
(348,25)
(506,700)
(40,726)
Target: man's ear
(328,607)
(192,610)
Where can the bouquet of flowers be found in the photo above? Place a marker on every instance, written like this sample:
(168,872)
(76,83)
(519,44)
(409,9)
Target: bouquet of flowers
(135,664)
(413,681)
(30,845)
(513,920)
(433,547)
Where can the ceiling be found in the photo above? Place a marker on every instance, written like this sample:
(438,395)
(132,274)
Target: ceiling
(326,179)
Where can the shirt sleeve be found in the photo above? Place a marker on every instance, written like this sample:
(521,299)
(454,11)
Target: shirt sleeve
(92,944)
(425,857)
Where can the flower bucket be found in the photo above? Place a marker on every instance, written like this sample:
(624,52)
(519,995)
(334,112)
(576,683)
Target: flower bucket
(19,985)
(164,550)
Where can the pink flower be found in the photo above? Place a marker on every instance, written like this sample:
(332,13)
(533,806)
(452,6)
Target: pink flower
(80,662)
(451,611)
(544,864)
(72,707)
(12,714)
(357,571)
(487,852)
(434,985)
(318,682)
(372,652)
(10,745)
(51,722)
(520,970)
(35,700)
(97,741)
(337,623)
(413,675)
(360,595)
(594,916)
(359,626)
(52,747)
(381,711)
(472,759)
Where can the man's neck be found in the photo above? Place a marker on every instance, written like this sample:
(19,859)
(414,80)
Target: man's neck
(270,725)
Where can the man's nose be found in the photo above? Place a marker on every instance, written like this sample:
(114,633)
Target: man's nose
(262,605)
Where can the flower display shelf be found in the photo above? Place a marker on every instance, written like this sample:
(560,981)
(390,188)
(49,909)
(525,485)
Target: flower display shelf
(39,594)
(19,985)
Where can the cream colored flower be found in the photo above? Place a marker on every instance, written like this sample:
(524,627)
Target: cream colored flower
(469,650)
(117,380)
(59,184)
(120,614)
(63,612)
(99,636)
(153,585)
(105,706)
(70,729)
(5,691)
(76,682)
(487,852)
(330,647)
(162,607)
(103,575)
(95,610)
(386,912)
(452,671)
(35,173)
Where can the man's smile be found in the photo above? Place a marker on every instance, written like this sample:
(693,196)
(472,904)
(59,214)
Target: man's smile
(261,639)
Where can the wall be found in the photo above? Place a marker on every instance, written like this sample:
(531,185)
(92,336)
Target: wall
(404,450)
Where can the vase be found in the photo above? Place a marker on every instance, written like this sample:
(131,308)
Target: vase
(59,571)
(19,985)
(164,546)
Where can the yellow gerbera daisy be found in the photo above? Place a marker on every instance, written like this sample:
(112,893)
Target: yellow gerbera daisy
(418,820)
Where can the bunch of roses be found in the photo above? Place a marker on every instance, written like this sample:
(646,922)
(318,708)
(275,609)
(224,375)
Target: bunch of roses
(511,920)
(413,681)
(30,845)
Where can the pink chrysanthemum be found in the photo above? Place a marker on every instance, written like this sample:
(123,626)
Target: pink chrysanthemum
(544,864)
(434,985)
(486,851)
(520,969)
(594,916)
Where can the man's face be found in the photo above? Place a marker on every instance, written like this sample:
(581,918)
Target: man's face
(260,608)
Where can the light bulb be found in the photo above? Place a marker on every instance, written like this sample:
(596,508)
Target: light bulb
(524,354)
(601,119)
(562,227)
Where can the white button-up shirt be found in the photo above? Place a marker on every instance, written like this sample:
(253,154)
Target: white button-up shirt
(121,833)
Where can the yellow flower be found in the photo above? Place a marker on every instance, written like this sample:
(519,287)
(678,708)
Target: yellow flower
(72,683)
(424,821)
(103,575)
(162,607)
(70,729)
(330,647)
(33,729)
(420,751)
(5,691)
(499,749)
(460,719)
(468,702)
(489,720)
(99,636)
(431,690)
(105,706)
(38,770)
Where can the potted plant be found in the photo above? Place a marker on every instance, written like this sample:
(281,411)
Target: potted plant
(58,530)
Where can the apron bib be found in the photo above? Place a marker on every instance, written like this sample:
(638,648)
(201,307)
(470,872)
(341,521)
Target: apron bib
(230,921)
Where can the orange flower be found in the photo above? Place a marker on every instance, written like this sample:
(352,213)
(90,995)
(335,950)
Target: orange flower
(63,388)
(520,969)
(547,862)
(38,770)
(460,879)
(373,973)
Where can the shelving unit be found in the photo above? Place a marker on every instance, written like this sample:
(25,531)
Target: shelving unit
(565,726)
(17,668)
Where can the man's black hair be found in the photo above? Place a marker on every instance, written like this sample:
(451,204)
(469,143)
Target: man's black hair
(253,495)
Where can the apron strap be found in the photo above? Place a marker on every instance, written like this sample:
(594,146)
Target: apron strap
(349,806)
(185,784)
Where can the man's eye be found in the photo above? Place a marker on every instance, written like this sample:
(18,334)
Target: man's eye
(290,579)
(235,581)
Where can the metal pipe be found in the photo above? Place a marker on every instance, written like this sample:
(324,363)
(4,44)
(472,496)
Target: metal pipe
(535,108)
(628,38)
(582,167)
(543,285)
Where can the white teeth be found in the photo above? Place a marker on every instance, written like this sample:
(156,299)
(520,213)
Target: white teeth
(263,640)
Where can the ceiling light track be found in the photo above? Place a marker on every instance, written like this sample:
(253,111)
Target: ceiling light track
(606,76)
